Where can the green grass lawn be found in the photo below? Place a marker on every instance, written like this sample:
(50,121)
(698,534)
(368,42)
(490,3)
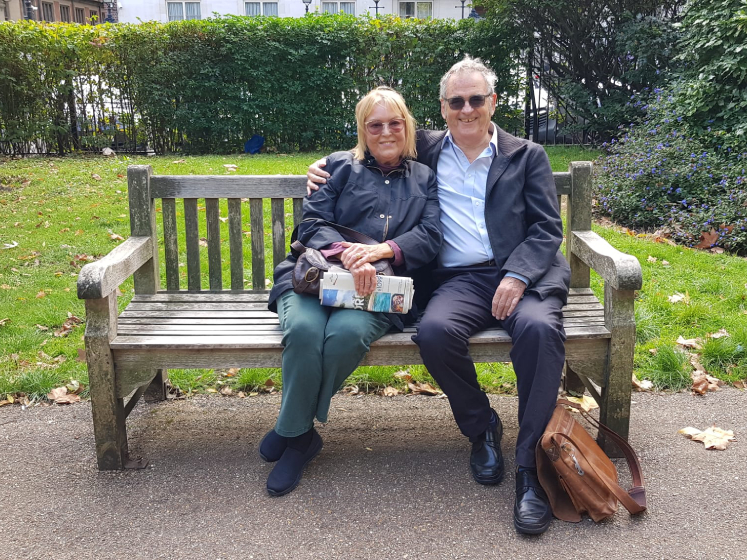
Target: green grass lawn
(59,213)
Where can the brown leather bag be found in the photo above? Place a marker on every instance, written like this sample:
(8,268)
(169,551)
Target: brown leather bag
(577,475)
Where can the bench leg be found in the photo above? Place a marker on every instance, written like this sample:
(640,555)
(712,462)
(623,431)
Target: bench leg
(158,388)
(107,407)
(614,410)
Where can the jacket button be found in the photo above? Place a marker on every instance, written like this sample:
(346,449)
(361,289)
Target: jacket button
(386,182)
(381,216)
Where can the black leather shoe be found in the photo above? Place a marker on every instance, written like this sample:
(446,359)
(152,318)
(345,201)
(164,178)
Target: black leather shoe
(486,460)
(272,446)
(532,513)
(287,473)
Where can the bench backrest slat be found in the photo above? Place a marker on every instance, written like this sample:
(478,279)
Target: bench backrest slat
(263,193)
(258,244)
(170,243)
(236,243)
(192,237)
(212,217)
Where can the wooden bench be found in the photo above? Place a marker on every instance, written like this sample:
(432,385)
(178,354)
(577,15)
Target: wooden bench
(225,324)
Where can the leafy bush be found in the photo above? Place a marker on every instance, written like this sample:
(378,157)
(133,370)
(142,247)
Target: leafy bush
(663,175)
(209,85)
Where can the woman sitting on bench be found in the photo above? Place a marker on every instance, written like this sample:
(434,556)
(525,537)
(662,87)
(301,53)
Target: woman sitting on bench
(377,190)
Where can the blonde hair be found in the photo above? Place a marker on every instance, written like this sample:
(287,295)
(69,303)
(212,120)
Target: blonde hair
(389,98)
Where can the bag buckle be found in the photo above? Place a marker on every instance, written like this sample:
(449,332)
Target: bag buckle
(313,270)
(569,449)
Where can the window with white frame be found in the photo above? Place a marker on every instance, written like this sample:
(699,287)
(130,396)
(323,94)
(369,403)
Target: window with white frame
(183,10)
(270,8)
(334,7)
(47,11)
(252,8)
(80,15)
(420,10)
(65,13)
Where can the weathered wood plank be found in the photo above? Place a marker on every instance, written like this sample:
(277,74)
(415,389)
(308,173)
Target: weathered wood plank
(143,224)
(192,236)
(170,243)
(99,279)
(212,215)
(196,321)
(236,243)
(258,243)
(204,296)
(579,218)
(277,211)
(297,211)
(620,270)
(199,314)
(233,186)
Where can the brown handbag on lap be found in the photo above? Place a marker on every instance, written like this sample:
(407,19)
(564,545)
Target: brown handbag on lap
(311,264)
(577,475)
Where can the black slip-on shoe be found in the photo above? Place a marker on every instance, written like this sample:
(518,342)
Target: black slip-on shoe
(486,460)
(288,471)
(532,513)
(272,446)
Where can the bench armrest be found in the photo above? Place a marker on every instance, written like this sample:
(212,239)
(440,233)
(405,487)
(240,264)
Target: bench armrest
(99,279)
(620,270)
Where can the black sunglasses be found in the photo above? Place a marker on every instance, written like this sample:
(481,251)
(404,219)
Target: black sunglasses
(475,101)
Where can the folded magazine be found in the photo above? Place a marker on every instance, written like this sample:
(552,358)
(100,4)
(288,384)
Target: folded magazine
(393,294)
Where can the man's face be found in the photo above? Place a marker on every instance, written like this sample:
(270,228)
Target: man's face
(468,125)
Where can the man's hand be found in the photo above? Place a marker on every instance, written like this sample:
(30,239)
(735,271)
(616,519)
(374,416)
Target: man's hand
(316,176)
(507,296)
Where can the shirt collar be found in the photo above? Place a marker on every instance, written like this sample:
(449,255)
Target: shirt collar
(493,140)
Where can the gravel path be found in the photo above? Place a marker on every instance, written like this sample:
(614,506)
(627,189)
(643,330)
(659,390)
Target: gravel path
(392,482)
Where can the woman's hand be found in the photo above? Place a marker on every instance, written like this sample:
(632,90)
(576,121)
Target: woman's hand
(315,176)
(358,254)
(364,277)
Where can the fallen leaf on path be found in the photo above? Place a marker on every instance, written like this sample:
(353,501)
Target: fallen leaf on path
(269,383)
(227,391)
(586,402)
(61,396)
(390,392)
(712,438)
(423,389)
(702,381)
(211,390)
(642,384)
(351,389)
(241,394)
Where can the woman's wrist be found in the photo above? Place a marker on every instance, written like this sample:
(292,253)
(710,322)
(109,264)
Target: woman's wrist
(383,251)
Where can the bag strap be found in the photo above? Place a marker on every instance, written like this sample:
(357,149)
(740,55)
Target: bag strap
(634,499)
(349,233)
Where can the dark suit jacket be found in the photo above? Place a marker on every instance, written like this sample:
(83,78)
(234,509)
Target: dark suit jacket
(521,211)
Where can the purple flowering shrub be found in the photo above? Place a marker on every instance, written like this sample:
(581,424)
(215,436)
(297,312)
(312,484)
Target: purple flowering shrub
(664,175)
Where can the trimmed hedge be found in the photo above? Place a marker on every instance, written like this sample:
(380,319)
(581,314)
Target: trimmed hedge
(206,86)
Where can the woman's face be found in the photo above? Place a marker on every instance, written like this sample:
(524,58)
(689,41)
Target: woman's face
(385,135)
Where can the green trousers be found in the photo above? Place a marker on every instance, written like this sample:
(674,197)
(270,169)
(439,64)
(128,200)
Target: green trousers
(322,347)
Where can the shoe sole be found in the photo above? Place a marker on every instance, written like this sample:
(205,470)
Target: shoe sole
(276,494)
(531,529)
(489,481)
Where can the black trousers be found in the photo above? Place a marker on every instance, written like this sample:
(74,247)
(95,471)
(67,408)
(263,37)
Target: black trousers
(461,306)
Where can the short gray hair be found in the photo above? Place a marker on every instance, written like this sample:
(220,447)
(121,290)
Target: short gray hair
(467,66)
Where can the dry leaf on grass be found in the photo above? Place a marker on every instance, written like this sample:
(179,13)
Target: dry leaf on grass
(690,342)
(651,259)
(678,297)
(227,391)
(4,322)
(351,389)
(404,375)
(61,396)
(702,381)
(712,438)
(642,384)
(722,333)
(586,402)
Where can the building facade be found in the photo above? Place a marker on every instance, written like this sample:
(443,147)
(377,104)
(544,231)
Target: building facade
(168,10)
(72,11)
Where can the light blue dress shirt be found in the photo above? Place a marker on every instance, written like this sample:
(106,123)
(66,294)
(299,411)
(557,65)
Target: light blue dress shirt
(461,192)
